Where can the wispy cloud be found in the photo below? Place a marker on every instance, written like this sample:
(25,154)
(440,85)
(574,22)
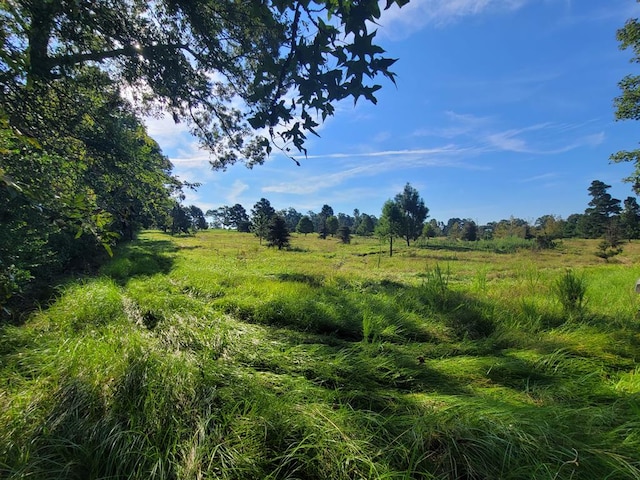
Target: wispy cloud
(399,23)
(610,10)
(459,125)
(549,143)
(537,178)
(449,156)
(485,133)
(237,188)
(447,149)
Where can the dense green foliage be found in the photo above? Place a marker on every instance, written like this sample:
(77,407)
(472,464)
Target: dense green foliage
(628,103)
(414,212)
(213,357)
(391,223)
(198,60)
(277,233)
(78,173)
(305,225)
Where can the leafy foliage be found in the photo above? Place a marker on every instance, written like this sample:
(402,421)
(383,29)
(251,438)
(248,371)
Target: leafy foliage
(630,218)
(79,172)
(414,212)
(305,225)
(628,103)
(196,60)
(261,215)
(231,217)
(611,244)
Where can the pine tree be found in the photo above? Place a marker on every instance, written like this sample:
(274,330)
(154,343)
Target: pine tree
(602,208)
(277,233)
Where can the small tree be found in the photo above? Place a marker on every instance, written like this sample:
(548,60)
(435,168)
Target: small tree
(344,234)
(469,231)
(366,226)
(277,233)
(414,212)
(261,215)
(305,225)
(391,223)
(610,246)
(332,225)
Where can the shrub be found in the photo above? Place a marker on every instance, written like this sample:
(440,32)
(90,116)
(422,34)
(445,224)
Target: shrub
(570,290)
(435,287)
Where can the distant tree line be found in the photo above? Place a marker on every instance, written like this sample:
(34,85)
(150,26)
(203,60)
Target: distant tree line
(406,217)
(324,223)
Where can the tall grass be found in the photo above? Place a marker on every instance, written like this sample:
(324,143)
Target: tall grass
(215,358)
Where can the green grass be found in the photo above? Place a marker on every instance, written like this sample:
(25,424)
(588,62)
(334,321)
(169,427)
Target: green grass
(213,357)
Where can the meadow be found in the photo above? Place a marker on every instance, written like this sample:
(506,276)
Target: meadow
(211,356)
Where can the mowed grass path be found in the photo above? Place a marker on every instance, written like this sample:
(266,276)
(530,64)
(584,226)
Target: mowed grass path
(214,357)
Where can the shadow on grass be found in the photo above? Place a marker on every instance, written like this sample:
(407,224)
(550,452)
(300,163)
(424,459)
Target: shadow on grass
(385,310)
(141,258)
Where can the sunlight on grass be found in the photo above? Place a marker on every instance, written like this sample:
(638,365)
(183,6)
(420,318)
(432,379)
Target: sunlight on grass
(213,357)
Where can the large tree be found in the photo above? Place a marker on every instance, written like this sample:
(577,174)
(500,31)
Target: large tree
(305,225)
(80,162)
(414,212)
(322,218)
(285,62)
(630,218)
(628,103)
(231,217)
(366,225)
(601,211)
(291,216)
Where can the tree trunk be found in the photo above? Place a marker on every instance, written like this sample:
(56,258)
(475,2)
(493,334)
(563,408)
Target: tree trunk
(38,38)
(391,246)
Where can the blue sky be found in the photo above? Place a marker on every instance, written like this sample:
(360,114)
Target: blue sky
(502,108)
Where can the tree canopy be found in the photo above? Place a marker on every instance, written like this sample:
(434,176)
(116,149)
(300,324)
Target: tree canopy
(414,212)
(391,223)
(628,103)
(602,208)
(246,76)
(261,215)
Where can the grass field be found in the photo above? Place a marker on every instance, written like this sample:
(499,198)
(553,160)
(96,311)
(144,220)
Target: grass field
(214,357)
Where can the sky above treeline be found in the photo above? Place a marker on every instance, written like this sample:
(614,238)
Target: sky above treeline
(502,108)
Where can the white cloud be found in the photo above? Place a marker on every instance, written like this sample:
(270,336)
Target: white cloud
(447,149)
(387,161)
(537,178)
(237,188)
(192,197)
(399,23)
(165,131)
(544,138)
